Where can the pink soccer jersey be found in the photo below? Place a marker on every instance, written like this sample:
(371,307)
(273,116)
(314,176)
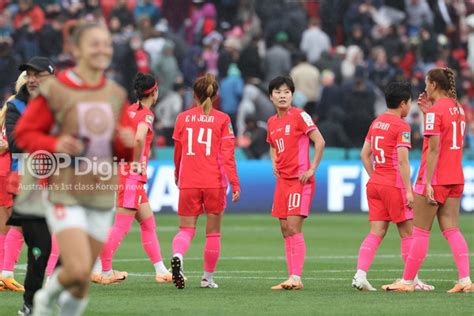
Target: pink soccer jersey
(289,136)
(141,114)
(448,121)
(386,134)
(202,162)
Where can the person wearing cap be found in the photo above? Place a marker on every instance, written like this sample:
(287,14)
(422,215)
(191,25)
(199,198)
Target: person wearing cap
(35,229)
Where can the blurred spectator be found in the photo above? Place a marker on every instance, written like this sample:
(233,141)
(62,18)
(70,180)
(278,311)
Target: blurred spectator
(393,45)
(419,13)
(29,15)
(380,72)
(8,67)
(358,104)
(446,18)
(210,54)
(306,79)
(314,41)
(360,12)
(333,130)
(358,38)
(231,90)
(354,57)
(428,46)
(166,70)
(51,39)
(147,8)
(416,130)
(331,96)
(167,109)
(229,54)
(122,12)
(277,61)
(256,132)
(6,29)
(153,45)
(141,57)
(193,65)
(250,61)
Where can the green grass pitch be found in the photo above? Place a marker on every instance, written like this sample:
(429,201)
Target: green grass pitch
(252,260)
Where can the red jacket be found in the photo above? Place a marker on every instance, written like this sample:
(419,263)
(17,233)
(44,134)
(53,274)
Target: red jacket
(35,14)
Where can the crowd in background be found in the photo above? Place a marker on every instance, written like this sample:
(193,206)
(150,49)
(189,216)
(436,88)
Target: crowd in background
(340,54)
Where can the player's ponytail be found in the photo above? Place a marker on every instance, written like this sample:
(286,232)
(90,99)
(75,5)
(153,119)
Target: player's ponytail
(205,88)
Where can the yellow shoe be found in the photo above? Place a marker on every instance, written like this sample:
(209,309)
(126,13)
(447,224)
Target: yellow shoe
(462,288)
(399,287)
(116,277)
(12,284)
(164,278)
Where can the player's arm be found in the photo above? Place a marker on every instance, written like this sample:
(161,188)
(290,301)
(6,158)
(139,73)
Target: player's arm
(139,144)
(431,161)
(319,144)
(273,158)
(177,159)
(366,157)
(404,167)
(227,150)
(124,137)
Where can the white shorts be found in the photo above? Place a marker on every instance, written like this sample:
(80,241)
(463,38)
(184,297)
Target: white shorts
(95,222)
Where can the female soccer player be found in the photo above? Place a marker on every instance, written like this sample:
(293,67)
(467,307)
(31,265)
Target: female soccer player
(203,157)
(389,190)
(132,200)
(289,133)
(440,181)
(91,121)
(11,237)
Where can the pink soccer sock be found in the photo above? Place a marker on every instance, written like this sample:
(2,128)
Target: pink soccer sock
(459,249)
(182,240)
(405,244)
(13,244)
(289,258)
(367,251)
(122,225)
(53,257)
(212,250)
(298,253)
(417,254)
(150,240)
(2,249)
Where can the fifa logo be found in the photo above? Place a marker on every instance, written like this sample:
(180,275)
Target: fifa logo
(287,129)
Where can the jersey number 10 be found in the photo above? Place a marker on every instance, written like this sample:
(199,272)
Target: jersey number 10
(200,140)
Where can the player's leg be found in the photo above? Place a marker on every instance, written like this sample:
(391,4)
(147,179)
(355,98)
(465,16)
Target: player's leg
(212,249)
(367,251)
(12,251)
(53,257)
(4,215)
(150,242)
(448,219)
(379,219)
(424,214)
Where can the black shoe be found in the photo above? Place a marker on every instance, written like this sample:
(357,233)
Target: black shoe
(177,272)
(26,310)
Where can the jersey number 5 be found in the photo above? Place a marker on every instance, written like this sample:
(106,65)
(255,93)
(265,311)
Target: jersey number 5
(379,153)
(200,140)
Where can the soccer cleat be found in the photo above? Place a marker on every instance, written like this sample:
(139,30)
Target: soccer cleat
(43,304)
(177,273)
(25,310)
(12,284)
(290,284)
(116,277)
(362,284)
(3,287)
(164,278)
(209,284)
(422,286)
(462,288)
(398,286)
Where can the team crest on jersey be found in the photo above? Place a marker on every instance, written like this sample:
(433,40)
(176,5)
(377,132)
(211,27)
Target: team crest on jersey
(231,130)
(307,118)
(406,137)
(131,114)
(287,129)
(149,119)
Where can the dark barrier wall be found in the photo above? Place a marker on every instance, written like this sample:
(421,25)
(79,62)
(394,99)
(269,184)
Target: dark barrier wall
(340,187)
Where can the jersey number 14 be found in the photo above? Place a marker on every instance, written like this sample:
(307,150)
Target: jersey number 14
(200,140)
